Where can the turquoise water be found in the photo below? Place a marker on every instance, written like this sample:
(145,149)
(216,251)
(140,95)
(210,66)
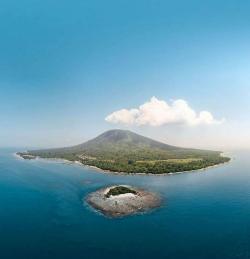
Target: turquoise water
(204,215)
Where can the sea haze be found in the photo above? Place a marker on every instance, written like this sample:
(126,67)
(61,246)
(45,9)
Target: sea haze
(205,214)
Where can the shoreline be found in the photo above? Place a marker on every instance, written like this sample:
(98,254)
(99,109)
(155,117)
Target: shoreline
(100,170)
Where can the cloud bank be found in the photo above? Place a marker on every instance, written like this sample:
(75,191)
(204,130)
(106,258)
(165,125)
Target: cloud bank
(158,113)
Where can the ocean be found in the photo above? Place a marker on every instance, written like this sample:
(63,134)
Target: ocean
(205,214)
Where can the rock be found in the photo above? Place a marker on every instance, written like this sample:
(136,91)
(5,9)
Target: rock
(123,204)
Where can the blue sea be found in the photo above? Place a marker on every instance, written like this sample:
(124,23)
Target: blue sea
(204,214)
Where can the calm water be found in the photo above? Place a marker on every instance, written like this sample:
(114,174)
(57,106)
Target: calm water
(205,215)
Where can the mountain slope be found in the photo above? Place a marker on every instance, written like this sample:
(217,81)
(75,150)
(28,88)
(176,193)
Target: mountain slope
(122,150)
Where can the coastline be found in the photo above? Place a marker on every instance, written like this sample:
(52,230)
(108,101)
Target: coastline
(100,170)
(17,156)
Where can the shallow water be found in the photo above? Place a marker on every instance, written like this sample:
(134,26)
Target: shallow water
(205,214)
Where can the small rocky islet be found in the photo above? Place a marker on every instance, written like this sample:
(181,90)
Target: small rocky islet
(122,200)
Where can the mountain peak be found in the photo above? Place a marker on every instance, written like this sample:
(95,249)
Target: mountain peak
(118,135)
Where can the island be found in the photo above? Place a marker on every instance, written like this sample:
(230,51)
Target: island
(123,151)
(122,200)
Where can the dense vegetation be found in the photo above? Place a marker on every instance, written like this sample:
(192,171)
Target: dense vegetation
(125,151)
(119,190)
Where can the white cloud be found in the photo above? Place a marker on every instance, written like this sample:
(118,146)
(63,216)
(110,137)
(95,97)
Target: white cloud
(158,112)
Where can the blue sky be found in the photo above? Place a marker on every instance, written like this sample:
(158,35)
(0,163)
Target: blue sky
(66,65)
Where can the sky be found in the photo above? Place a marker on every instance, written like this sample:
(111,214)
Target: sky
(177,71)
